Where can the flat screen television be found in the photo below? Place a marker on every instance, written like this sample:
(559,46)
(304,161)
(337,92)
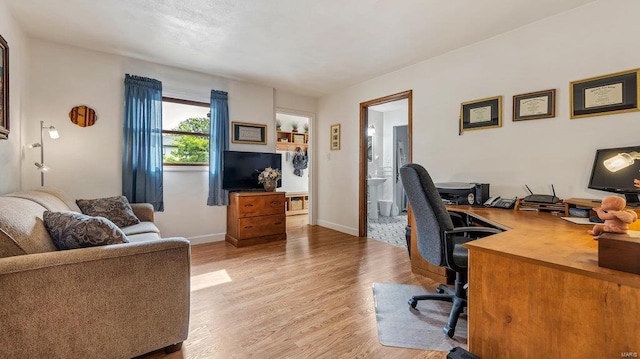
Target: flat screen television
(614,170)
(240,170)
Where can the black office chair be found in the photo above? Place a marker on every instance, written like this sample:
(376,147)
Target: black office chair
(439,241)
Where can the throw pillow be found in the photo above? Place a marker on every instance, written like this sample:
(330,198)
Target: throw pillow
(70,230)
(116,209)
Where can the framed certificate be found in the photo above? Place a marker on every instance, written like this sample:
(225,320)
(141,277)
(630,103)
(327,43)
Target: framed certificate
(605,95)
(534,105)
(250,133)
(481,114)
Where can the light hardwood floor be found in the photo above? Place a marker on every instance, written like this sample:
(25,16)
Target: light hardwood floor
(308,297)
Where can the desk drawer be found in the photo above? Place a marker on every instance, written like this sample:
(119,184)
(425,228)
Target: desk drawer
(260,205)
(261,226)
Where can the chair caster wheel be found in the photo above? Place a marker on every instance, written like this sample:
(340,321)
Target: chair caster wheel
(413,303)
(448,331)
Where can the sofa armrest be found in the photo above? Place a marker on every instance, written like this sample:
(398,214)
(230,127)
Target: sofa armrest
(144,211)
(116,301)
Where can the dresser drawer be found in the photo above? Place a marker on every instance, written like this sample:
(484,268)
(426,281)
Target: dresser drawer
(250,206)
(261,226)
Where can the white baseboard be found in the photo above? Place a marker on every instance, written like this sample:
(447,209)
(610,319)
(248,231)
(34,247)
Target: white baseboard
(338,227)
(207,238)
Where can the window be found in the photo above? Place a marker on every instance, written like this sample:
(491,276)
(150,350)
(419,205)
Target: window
(185,132)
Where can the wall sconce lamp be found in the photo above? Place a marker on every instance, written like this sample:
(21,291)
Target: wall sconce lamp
(621,160)
(371,130)
(53,134)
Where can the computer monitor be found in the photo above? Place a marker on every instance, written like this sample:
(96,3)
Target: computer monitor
(614,170)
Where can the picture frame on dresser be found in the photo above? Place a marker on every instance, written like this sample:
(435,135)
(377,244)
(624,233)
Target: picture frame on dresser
(4,89)
(605,95)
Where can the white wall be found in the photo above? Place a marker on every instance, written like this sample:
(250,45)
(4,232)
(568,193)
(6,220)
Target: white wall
(596,39)
(10,150)
(86,162)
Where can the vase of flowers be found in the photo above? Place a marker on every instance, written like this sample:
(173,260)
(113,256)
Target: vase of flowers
(269,177)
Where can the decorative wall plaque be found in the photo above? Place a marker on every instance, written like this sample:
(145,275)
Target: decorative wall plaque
(83,116)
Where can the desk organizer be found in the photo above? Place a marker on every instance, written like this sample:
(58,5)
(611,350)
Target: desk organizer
(562,207)
(620,251)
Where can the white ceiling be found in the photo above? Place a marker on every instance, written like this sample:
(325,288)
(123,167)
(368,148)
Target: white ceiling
(309,47)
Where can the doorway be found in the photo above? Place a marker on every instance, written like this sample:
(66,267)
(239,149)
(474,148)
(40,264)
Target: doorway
(384,147)
(293,142)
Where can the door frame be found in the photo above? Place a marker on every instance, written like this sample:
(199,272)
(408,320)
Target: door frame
(364,126)
(310,152)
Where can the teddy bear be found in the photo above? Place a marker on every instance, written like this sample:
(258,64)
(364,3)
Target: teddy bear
(616,218)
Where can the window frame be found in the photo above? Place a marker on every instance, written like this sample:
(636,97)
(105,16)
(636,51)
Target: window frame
(186,133)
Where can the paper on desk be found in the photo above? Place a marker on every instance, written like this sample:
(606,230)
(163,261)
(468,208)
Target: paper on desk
(577,220)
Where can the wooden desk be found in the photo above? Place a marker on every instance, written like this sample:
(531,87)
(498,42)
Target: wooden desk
(536,291)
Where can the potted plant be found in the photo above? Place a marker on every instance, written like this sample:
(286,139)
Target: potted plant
(278,125)
(294,126)
(306,127)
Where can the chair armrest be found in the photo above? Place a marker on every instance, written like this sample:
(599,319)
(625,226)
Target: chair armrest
(478,230)
(118,301)
(449,245)
(144,211)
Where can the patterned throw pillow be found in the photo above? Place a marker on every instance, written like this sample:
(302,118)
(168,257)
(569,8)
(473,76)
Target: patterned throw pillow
(116,209)
(70,230)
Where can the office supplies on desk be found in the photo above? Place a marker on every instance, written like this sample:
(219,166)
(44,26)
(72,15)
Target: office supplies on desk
(499,202)
(541,198)
(462,193)
(577,220)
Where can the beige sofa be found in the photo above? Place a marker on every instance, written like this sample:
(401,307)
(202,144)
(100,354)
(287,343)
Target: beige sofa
(114,301)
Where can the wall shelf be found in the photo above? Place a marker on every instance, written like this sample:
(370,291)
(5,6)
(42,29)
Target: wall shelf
(296,203)
(289,141)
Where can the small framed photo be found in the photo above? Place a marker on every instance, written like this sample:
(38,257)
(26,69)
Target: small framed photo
(4,89)
(605,95)
(249,133)
(534,105)
(481,114)
(335,137)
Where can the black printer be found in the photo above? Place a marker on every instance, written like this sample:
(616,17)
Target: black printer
(462,193)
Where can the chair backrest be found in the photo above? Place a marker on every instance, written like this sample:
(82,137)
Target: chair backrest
(431,216)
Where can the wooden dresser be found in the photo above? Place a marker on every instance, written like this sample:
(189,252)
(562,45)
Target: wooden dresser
(255,217)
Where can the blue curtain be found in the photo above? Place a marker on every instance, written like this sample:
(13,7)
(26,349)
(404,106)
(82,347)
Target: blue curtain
(142,145)
(218,143)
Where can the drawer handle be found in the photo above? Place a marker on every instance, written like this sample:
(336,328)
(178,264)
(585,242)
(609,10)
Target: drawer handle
(277,223)
(275,203)
(248,227)
(248,205)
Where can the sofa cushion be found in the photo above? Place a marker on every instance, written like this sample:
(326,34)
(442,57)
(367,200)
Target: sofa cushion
(21,228)
(48,200)
(143,237)
(116,209)
(70,230)
(142,227)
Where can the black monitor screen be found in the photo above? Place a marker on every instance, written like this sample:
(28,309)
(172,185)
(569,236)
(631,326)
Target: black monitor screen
(626,168)
(241,169)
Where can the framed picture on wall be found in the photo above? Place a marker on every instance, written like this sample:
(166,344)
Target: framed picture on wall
(249,133)
(605,95)
(534,105)
(335,137)
(4,89)
(481,114)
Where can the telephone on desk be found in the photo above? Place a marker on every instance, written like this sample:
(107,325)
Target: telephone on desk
(499,202)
